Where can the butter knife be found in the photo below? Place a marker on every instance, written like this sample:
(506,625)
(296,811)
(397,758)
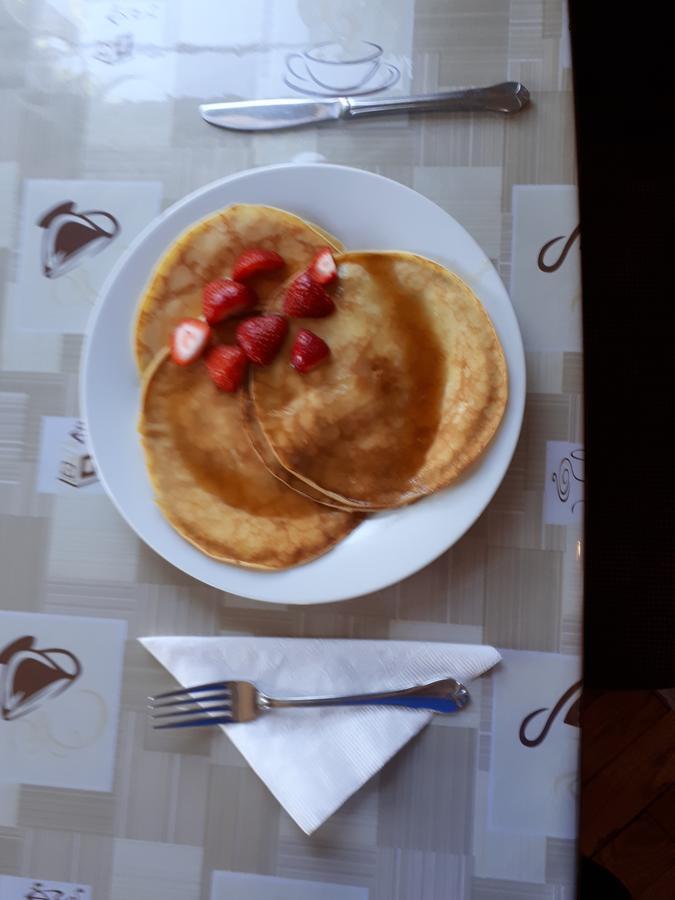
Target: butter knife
(268,115)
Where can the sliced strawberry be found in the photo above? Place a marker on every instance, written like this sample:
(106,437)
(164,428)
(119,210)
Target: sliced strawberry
(227,366)
(256,262)
(261,337)
(189,340)
(306,298)
(224,298)
(308,351)
(322,268)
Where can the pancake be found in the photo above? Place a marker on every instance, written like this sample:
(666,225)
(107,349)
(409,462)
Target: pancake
(210,484)
(412,394)
(208,250)
(272,464)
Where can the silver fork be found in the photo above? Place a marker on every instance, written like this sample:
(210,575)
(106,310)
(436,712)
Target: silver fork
(224,702)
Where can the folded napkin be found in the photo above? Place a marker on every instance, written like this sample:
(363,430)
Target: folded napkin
(313,760)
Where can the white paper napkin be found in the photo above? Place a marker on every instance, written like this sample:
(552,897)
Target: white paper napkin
(313,760)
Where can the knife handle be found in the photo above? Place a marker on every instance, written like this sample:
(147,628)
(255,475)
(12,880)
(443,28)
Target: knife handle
(510,96)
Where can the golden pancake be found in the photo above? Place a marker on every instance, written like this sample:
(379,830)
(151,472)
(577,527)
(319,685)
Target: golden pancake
(272,464)
(210,484)
(413,392)
(208,250)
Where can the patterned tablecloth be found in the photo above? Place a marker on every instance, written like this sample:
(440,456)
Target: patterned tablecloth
(99,133)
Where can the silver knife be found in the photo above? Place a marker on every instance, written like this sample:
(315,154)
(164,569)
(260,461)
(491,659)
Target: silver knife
(266,115)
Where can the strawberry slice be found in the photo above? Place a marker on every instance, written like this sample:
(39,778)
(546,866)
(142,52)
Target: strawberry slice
(308,351)
(261,337)
(224,298)
(306,298)
(189,340)
(257,262)
(322,268)
(227,366)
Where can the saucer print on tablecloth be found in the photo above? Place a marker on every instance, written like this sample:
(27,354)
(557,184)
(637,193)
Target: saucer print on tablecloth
(60,679)
(329,69)
(387,77)
(71,235)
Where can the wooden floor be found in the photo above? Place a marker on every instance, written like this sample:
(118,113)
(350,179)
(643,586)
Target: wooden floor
(628,788)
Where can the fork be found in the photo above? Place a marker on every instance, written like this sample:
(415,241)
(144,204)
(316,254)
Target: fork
(225,702)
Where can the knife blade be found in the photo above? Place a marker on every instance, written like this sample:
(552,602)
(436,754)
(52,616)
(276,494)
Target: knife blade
(290,112)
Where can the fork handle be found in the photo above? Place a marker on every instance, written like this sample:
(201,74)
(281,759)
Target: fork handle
(444,696)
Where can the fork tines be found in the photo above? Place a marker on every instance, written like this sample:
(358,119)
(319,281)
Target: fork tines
(212,706)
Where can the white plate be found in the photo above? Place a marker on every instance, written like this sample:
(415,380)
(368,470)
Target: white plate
(365,211)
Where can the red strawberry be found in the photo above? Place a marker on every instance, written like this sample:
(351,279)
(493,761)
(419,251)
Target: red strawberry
(306,298)
(308,351)
(224,298)
(256,262)
(261,337)
(322,268)
(227,365)
(189,340)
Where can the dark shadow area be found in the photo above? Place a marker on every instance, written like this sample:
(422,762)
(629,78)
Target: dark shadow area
(623,104)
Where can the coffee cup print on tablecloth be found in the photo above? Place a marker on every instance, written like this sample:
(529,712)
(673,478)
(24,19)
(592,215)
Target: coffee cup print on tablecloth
(548,260)
(535,743)
(70,236)
(72,233)
(76,466)
(29,676)
(65,464)
(546,267)
(564,483)
(16,888)
(530,735)
(331,68)
(60,679)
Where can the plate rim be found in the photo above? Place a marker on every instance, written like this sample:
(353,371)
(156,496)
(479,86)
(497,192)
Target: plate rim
(515,360)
